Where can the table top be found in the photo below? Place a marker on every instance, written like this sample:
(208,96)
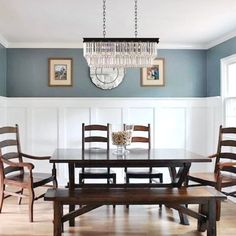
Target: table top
(135,157)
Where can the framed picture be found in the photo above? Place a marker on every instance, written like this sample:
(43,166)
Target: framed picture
(154,75)
(60,71)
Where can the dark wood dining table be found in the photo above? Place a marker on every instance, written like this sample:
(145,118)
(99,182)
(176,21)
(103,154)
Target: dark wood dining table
(178,161)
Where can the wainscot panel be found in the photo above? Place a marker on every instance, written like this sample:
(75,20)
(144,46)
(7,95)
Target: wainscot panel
(49,123)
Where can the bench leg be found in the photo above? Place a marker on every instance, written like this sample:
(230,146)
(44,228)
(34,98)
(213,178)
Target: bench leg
(202,226)
(57,224)
(183,218)
(209,210)
(71,221)
(211,228)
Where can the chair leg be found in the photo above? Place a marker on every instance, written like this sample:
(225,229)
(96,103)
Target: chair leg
(218,203)
(55,183)
(20,198)
(31,204)
(127,182)
(80,179)
(161,178)
(114,182)
(2,188)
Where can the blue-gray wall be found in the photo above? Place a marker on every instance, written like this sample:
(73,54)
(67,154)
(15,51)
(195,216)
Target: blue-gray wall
(27,76)
(214,55)
(3,70)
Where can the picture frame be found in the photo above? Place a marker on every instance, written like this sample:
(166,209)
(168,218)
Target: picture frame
(154,75)
(60,72)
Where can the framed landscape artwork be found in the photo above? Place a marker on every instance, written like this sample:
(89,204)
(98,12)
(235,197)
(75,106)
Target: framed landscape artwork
(60,71)
(154,75)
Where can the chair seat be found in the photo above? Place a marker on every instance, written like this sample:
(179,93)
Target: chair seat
(38,178)
(211,178)
(97,171)
(97,174)
(144,174)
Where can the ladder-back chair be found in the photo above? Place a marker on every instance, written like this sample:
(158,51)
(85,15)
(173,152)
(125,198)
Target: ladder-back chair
(17,173)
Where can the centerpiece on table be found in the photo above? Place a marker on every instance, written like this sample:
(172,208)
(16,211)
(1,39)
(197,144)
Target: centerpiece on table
(121,139)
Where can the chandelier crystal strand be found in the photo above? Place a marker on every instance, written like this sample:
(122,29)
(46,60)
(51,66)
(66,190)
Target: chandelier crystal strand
(136,18)
(104,18)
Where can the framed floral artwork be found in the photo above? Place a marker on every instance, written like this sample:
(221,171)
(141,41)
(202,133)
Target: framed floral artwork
(154,75)
(60,71)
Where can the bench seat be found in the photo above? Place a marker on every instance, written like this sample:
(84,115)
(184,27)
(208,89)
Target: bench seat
(205,197)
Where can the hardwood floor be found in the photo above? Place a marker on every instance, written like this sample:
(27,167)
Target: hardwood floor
(137,221)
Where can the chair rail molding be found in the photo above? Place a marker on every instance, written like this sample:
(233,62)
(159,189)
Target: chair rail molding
(190,123)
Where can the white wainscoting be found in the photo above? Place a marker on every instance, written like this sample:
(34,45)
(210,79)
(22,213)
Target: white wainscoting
(49,123)
(3,105)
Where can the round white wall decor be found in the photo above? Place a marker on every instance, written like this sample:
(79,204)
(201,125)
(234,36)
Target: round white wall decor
(107,78)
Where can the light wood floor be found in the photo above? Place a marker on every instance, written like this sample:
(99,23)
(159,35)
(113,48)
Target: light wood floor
(137,221)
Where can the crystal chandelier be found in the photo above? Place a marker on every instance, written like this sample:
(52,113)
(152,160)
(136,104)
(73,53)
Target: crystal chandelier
(120,52)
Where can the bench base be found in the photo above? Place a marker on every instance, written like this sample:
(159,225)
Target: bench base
(175,198)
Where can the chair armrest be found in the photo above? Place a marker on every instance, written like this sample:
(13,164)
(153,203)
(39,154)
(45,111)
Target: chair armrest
(35,157)
(30,166)
(213,156)
(226,164)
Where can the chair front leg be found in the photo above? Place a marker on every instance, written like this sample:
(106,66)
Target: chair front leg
(31,203)
(20,198)
(2,188)
(218,202)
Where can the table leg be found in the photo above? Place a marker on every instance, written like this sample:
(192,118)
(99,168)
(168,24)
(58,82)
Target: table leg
(177,179)
(71,167)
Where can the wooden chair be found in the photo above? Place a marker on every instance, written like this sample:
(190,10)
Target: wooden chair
(96,173)
(17,173)
(224,174)
(149,173)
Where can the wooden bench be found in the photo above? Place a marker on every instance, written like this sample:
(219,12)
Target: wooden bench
(176,198)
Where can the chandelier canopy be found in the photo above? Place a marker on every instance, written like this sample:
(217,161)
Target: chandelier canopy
(120,52)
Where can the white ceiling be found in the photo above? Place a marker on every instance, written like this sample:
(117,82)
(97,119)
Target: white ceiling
(186,23)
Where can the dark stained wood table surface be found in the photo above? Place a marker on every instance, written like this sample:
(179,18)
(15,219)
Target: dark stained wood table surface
(178,161)
(170,158)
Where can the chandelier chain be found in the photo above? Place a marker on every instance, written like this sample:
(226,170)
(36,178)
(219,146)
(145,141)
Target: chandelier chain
(136,18)
(104,18)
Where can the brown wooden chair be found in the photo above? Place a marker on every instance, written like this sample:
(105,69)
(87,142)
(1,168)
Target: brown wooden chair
(16,173)
(93,173)
(224,174)
(148,173)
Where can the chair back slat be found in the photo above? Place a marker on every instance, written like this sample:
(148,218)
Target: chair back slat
(141,128)
(228,155)
(10,169)
(98,139)
(228,143)
(95,127)
(8,143)
(140,140)
(228,130)
(8,130)
(138,131)
(229,169)
(226,148)
(6,148)
(89,137)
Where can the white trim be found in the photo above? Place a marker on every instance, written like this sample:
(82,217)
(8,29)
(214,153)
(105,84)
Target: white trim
(223,66)
(80,45)
(221,39)
(224,62)
(3,41)
(44,45)
(181,46)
